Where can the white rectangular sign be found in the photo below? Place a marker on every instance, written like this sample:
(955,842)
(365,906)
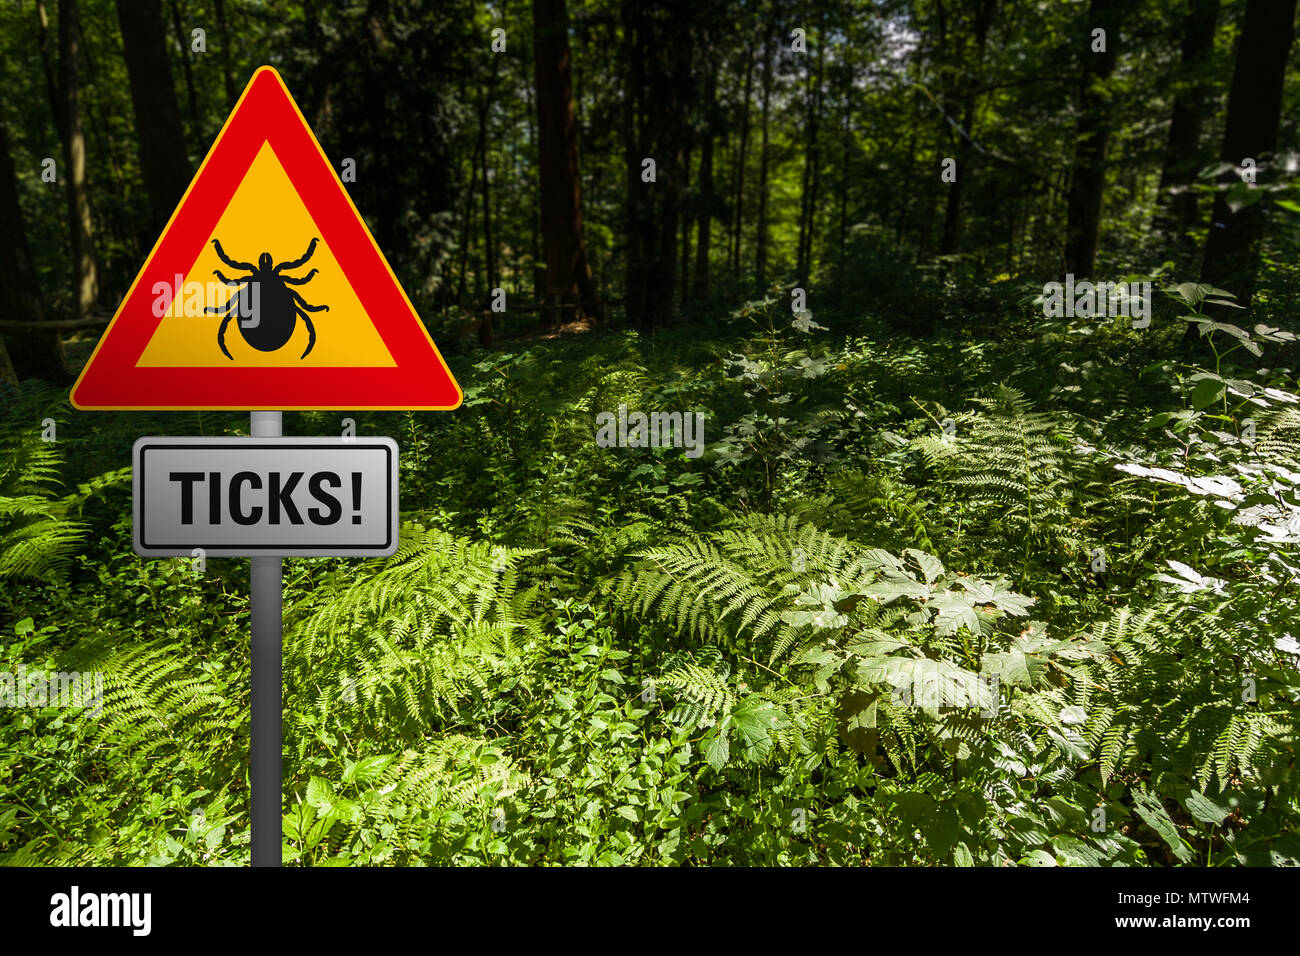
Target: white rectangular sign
(288,497)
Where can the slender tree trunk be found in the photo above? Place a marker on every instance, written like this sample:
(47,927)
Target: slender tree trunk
(1088,179)
(1183,154)
(538,277)
(466,228)
(1250,132)
(760,251)
(738,213)
(489,246)
(812,164)
(845,173)
(191,94)
(985,10)
(952,204)
(568,273)
(704,221)
(31,354)
(639,224)
(223,31)
(47,65)
(157,117)
(684,245)
(85,281)
(904,200)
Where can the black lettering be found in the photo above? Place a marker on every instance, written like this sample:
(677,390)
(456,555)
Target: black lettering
(278,497)
(187,479)
(335,510)
(214,497)
(236,512)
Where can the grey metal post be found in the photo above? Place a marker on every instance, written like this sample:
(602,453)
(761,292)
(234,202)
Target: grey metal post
(265,597)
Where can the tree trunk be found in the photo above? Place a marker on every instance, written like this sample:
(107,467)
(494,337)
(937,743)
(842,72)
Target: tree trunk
(85,281)
(466,228)
(1250,131)
(704,221)
(1088,178)
(489,250)
(845,171)
(738,212)
(157,117)
(637,222)
(223,31)
(568,273)
(31,354)
(191,95)
(760,251)
(684,245)
(1183,155)
(812,164)
(489,247)
(984,11)
(47,65)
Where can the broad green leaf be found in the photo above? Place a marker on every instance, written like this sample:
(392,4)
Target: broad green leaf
(320,795)
(1207,392)
(717,749)
(931,567)
(1205,810)
(954,610)
(1154,815)
(998,594)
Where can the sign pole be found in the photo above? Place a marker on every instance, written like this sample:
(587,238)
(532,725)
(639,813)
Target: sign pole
(265,596)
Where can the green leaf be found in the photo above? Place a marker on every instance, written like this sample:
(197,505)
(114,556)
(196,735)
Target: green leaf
(998,594)
(1205,810)
(320,795)
(952,611)
(367,768)
(717,749)
(754,719)
(1207,392)
(931,567)
(1154,815)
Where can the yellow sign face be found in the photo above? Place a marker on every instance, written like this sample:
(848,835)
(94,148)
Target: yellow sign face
(266,214)
(266,290)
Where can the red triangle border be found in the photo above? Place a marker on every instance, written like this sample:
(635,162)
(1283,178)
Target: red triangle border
(267,113)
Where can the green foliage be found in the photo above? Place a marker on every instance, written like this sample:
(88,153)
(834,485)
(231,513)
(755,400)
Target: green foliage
(900,652)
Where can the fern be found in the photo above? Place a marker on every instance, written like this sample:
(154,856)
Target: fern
(1016,466)
(431,628)
(1146,704)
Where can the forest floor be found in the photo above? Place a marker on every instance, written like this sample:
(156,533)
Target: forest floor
(1022,599)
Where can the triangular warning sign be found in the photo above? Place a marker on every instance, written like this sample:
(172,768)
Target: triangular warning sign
(266,290)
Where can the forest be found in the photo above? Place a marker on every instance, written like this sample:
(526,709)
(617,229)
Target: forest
(880,442)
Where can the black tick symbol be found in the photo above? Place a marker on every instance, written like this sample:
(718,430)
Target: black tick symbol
(277,308)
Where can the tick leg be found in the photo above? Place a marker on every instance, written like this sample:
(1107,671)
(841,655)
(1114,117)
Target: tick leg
(221,336)
(226,308)
(290,280)
(221,254)
(311,331)
(303,305)
(217,273)
(311,247)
